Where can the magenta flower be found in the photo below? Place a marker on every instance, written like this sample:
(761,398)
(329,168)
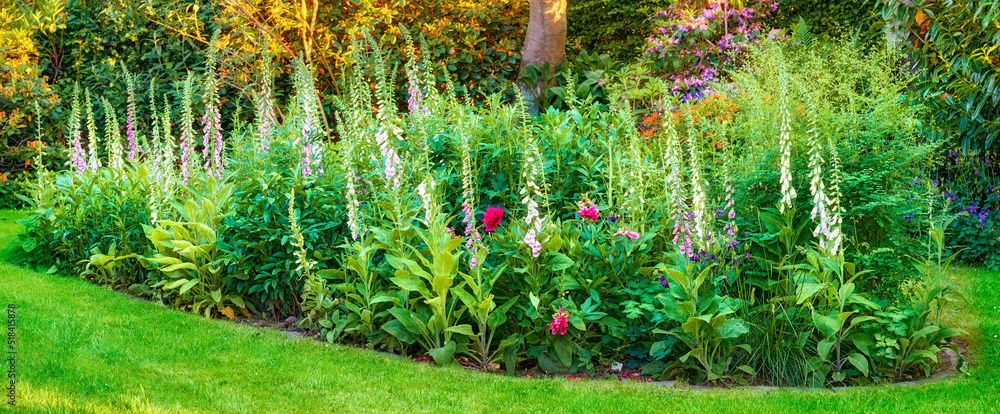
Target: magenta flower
(624,231)
(587,210)
(559,322)
(492,217)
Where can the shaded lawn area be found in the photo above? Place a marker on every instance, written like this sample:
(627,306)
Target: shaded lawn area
(83,348)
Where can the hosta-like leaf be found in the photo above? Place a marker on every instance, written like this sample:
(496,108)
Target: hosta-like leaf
(463,329)
(179,266)
(559,261)
(443,355)
(190,284)
(396,329)
(860,362)
(732,328)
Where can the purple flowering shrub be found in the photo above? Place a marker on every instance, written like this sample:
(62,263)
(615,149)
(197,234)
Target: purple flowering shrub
(693,44)
(971,185)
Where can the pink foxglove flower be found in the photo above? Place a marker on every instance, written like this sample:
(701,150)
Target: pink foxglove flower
(559,322)
(624,231)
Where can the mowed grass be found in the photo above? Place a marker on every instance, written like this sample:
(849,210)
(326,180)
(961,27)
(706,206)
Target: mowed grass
(83,348)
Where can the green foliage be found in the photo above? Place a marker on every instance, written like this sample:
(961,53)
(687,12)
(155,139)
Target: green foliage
(832,17)
(954,44)
(619,239)
(861,107)
(968,183)
(703,323)
(187,255)
(616,27)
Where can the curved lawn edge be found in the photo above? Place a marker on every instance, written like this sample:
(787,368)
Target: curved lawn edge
(83,348)
(940,376)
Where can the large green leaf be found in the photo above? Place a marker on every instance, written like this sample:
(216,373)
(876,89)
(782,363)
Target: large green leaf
(444,265)
(411,284)
(732,328)
(463,329)
(564,349)
(396,329)
(826,324)
(860,362)
(443,355)
(559,261)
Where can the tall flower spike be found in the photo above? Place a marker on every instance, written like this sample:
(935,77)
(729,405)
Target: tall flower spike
(729,208)
(698,193)
(413,81)
(166,134)
(387,116)
(167,152)
(817,187)
(310,121)
(39,161)
(532,173)
(347,159)
(266,119)
(212,119)
(187,129)
(674,164)
(468,195)
(633,178)
(154,134)
(130,112)
(78,161)
(94,162)
(785,144)
(113,137)
(836,236)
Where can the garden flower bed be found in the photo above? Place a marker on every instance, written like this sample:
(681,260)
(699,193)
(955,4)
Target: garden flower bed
(772,233)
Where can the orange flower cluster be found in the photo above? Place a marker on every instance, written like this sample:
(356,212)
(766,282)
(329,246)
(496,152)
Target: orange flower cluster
(718,108)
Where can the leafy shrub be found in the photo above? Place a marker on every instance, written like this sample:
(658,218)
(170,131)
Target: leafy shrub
(615,27)
(693,44)
(833,17)
(953,44)
(970,184)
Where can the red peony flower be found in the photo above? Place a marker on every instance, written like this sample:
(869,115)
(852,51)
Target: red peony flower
(589,213)
(559,322)
(492,217)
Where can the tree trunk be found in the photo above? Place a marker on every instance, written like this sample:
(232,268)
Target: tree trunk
(544,42)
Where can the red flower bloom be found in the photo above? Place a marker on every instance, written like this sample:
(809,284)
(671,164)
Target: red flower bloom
(587,210)
(492,217)
(559,322)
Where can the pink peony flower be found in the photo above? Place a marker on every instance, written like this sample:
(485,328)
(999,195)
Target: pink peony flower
(559,322)
(492,217)
(587,210)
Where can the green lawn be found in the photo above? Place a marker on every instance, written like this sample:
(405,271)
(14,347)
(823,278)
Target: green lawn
(84,348)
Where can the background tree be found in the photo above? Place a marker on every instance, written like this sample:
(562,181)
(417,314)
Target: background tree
(544,43)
